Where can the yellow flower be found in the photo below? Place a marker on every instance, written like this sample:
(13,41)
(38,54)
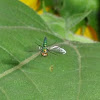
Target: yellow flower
(89,32)
(41,11)
(35,5)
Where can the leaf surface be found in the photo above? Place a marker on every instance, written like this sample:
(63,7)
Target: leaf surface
(63,28)
(29,76)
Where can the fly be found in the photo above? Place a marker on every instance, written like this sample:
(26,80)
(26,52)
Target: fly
(44,49)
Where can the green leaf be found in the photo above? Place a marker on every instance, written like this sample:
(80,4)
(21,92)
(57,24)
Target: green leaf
(94,22)
(30,76)
(56,24)
(61,27)
(75,19)
(72,7)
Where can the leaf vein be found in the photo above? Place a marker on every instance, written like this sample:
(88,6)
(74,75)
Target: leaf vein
(4,92)
(23,27)
(32,82)
(19,65)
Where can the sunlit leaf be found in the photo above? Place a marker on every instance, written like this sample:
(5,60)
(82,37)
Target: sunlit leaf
(30,76)
(62,28)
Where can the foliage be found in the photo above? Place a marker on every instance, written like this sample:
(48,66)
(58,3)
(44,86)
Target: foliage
(28,75)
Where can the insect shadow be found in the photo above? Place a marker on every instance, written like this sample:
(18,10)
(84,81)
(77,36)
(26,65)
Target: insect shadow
(10,62)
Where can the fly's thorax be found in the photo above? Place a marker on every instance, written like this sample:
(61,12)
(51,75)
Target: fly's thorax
(44,51)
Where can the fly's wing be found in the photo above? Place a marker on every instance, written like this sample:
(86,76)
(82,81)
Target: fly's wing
(58,49)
